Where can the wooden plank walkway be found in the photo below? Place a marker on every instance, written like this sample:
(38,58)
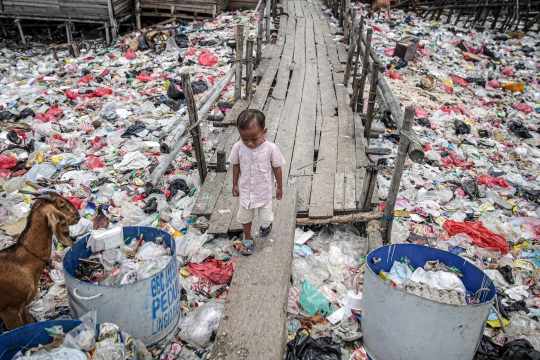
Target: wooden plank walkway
(308,117)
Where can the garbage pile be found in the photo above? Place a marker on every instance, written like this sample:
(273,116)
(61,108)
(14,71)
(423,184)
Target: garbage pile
(90,129)
(476,194)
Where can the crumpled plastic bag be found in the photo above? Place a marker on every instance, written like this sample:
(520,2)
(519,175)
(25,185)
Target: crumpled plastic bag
(207,59)
(198,325)
(150,250)
(481,236)
(492,182)
(133,160)
(304,347)
(487,350)
(218,272)
(441,280)
(7,162)
(520,349)
(313,301)
(399,272)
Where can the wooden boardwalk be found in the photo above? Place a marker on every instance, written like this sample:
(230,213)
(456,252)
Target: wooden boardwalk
(308,117)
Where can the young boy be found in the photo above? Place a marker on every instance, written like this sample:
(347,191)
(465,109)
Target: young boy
(255,162)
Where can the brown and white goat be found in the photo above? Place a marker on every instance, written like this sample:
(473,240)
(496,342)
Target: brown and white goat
(378,6)
(22,264)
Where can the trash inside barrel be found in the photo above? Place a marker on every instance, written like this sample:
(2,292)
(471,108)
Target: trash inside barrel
(410,290)
(65,339)
(132,283)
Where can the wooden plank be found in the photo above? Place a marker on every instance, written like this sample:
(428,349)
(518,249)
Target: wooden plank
(260,97)
(342,52)
(207,198)
(332,48)
(321,204)
(304,152)
(327,158)
(326,84)
(349,204)
(359,175)
(318,124)
(319,38)
(346,142)
(375,197)
(225,206)
(299,10)
(361,157)
(303,185)
(282,80)
(232,115)
(261,282)
(339,192)
(273,116)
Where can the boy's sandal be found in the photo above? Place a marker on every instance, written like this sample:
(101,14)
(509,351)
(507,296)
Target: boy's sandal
(247,247)
(265,231)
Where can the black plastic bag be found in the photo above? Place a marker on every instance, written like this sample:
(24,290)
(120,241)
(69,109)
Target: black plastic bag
(207,42)
(134,129)
(423,122)
(461,127)
(182,40)
(198,87)
(178,185)
(142,44)
(388,122)
(470,187)
(151,206)
(483,133)
(172,104)
(519,349)
(6,115)
(506,272)
(487,350)
(304,347)
(26,112)
(519,130)
(394,138)
(476,80)
(517,306)
(174,92)
(13,137)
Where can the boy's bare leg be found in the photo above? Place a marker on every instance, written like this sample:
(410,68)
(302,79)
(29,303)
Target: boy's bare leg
(247,231)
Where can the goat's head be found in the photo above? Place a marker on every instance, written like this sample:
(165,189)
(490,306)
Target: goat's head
(60,213)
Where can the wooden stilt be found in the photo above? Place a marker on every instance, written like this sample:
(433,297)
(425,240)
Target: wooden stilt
(249,69)
(239,62)
(371,98)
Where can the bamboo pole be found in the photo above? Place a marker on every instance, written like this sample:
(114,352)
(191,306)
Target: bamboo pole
(369,185)
(371,98)
(350,54)
(359,32)
(268,21)
(357,102)
(196,131)
(138,14)
(260,34)
(388,217)
(239,62)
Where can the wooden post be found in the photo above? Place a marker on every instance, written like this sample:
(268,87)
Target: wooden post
(249,69)
(267,21)
(388,216)
(260,33)
(274,8)
(369,185)
(74,49)
(114,31)
(365,63)
(371,98)
(352,49)
(239,62)
(53,49)
(359,33)
(221,161)
(107,37)
(347,21)
(196,131)
(138,14)
(342,13)
(21,32)
(374,236)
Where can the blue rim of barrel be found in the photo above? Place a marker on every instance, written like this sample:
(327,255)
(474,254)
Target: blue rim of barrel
(70,270)
(420,254)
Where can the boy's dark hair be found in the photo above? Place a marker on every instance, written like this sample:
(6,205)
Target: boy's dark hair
(247,117)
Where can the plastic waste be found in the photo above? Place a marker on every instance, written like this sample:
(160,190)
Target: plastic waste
(312,301)
(199,325)
(304,347)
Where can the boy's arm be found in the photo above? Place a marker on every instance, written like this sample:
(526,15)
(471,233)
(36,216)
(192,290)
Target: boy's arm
(279,179)
(235,176)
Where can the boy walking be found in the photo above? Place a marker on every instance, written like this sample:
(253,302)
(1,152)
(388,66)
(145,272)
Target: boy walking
(256,162)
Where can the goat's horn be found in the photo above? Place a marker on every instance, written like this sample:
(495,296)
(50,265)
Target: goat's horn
(45,197)
(27,192)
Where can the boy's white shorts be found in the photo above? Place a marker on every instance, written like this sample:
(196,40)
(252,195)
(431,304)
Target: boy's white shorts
(266,216)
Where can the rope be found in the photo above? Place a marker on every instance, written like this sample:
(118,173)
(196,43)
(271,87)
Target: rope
(388,218)
(411,138)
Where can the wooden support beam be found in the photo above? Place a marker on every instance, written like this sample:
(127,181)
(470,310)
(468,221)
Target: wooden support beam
(371,98)
(239,62)
(196,131)
(358,217)
(374,236)
(399,165)
(221,161)
(260,33)
(249,69)
(367,189)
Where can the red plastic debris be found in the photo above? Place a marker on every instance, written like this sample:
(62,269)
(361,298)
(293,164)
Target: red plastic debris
(7,162)
(86,79)
(130,55)
(144,77)
(481,236)
(207,59)
(491,182)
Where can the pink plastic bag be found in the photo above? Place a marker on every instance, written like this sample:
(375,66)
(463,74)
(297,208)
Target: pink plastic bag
(420,113)
(508,72)
(491,182)
(218,272)
(395,75)
(86,79)
(144,77)
(75,201)
(447,88)
(54,111)
(207,59)
(524,108)
(7,162)
(103,91)
(481,236)
(494,84)
(94,162)
(97,144)
(459,81)
(130,55)
(72,95)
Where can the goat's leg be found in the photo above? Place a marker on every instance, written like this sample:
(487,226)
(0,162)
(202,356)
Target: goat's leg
(27,317)
(12,318)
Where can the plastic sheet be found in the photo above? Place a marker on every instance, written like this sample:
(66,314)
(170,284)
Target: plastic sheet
(481,236)
(312,301)
(304,347)
(214,270)
(199,325)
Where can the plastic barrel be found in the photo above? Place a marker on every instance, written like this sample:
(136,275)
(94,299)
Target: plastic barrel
(29,336)
(148,309)
(400,325)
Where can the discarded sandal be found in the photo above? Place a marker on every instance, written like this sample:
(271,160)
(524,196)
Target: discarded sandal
(247,246)
(265,231)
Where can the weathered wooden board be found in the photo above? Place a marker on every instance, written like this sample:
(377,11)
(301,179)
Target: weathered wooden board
(225,207)
(206,201)
(339,192)
(361,157)
(327,158)
(261,284)
(303,185)
(346,141)
(349,189)
(322,196)
(360,176)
